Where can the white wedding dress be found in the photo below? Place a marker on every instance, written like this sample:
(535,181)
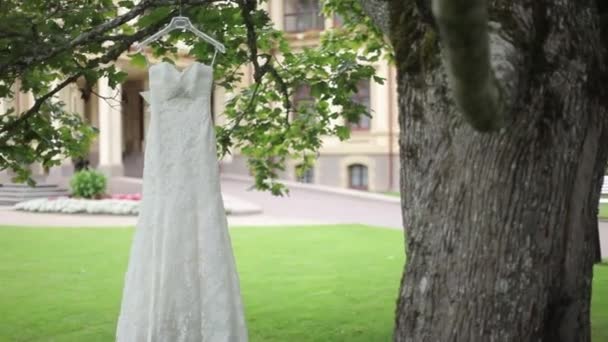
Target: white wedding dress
(181,284)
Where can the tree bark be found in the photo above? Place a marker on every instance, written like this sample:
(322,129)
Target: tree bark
(463,28)
(501,227)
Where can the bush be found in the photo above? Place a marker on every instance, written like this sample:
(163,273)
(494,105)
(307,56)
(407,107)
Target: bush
(88,184)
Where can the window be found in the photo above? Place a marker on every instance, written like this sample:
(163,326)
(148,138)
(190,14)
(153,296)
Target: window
(338,20)
(302,97)
(357,177)
(305,176)
(303,104)
(303,15)
(362,97)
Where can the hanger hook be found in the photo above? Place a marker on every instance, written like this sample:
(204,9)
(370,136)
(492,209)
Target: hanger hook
(180,8)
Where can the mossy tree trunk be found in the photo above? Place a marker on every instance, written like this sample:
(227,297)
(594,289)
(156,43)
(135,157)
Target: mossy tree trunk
(501,226)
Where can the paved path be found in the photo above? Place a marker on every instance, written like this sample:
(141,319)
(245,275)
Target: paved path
(18,218)
(305,205)
(308,203)
(305,202)
(604,239)
(302,207)
(335,208)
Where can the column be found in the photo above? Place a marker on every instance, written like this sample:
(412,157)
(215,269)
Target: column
(71,97)
(110,128)
(147,113)
(3,106)
(26,101)
(379,96)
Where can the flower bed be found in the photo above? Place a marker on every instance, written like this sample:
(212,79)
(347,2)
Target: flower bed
(130,197)
(116,204)
(68,205)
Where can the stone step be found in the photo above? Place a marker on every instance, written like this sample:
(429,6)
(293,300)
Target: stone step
(12,200)
(25,186)
(11,194)
(31,191)
(30,195)
(8,201)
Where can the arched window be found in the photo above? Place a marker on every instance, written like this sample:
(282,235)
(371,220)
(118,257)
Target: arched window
(305,176)
(358,177)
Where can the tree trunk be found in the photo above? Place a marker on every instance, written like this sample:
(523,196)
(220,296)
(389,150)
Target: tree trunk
(502,227)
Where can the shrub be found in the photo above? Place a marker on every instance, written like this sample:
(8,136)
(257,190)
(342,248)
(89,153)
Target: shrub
(88,184)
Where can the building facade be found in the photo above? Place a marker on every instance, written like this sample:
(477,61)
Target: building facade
(367,161)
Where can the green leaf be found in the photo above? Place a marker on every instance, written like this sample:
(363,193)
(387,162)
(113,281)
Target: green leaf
(318,89)
(379,80)
(116,78)
(126,4)
(139,60)
(343,132)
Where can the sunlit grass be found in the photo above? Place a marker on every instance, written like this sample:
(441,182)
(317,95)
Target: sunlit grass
(323,284)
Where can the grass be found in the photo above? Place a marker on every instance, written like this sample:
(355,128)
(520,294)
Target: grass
(393,193)
(312,284)
(603,214)
(599,304)
(321,284)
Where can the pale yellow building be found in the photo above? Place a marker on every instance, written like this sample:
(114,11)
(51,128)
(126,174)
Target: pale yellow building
(367,161)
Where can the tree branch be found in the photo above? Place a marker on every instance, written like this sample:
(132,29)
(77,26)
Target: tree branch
(96,32)
(378,11)
(248,6)
(113,53)
(463,27)
(282,87)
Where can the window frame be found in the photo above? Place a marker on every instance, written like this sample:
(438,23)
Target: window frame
(311,12)
(337,20)
(363,98)
(309,174)
(361,167)
(302,98)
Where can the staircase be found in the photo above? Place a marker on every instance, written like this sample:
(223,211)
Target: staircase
(11,194)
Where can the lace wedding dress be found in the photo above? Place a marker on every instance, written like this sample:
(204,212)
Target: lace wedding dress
(181,284)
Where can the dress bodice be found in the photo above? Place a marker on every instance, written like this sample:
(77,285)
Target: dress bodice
(168,83)
(180,118)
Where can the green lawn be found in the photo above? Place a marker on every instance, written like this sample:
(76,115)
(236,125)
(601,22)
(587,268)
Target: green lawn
(325,284)
(603,214)
(393,193)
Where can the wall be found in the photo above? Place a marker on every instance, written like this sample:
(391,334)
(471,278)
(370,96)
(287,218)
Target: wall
(332,170)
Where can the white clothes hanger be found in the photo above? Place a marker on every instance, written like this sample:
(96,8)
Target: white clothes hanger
(182,23)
